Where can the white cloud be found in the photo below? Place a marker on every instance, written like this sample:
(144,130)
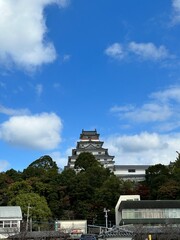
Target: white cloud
(60,159)
(122,108)
(66,57)
(148,51)
(34,131)
(39,89)
(11,111)
(4,165)
(145,51)
(143,148)
(170,94)
(149,112)
(23,30)
(176,10)
(115,51)
(161,110)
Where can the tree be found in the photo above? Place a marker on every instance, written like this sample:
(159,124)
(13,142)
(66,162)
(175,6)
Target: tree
(85,160)
(43,167)
(169,190)
(107,196)
(156,176)
(143,190)
(18,188)
(5,182)
(175,168)
(44,162)
(64,195)
(14,175)
(39,210)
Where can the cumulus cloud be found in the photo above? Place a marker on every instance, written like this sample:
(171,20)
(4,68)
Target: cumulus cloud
(161,109)
(41,131)
(143,148)
(23,30)
(145,51)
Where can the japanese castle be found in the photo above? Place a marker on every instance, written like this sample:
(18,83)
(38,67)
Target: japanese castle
(90,142)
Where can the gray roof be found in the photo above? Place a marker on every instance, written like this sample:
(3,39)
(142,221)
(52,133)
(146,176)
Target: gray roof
(40,235)
(89,133)
(10,212)
(149,204)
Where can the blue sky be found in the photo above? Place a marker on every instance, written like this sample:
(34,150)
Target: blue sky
(110,65)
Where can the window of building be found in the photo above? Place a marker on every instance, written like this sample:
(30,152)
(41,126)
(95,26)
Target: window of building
(131,170)
(14,223)
(1,224)
(7,224)
(150,213)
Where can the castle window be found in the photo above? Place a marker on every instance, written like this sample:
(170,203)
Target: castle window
(131,170)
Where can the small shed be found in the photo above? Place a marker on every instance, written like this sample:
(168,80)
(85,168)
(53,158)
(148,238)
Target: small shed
(10,218)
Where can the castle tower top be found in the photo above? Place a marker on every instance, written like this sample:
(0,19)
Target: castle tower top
(89,135)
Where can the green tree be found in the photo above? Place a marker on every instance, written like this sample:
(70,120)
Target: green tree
(169,190)
(44,167)
(156,176)
(44,162)
(14,175)
(175,169)
(5,182)
(85,160)
(63,197)
(107,196)
(17,188)
(39,210)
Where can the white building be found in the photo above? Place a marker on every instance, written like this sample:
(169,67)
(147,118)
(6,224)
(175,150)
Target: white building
(130,210)
(10,218)
(131,172)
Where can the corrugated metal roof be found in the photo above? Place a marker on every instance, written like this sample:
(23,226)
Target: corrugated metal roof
(9,212)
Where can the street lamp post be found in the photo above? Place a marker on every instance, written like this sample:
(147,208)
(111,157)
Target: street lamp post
(106,216)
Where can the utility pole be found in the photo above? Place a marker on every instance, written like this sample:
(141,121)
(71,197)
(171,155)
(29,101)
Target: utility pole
(27,221)
(106,217)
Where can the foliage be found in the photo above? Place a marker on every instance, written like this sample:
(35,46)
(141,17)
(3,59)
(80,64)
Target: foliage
(82,193)
(44,162)
(39,209)
(169,190)
(85,160)
(43,167)
(14,175)
(18,188)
